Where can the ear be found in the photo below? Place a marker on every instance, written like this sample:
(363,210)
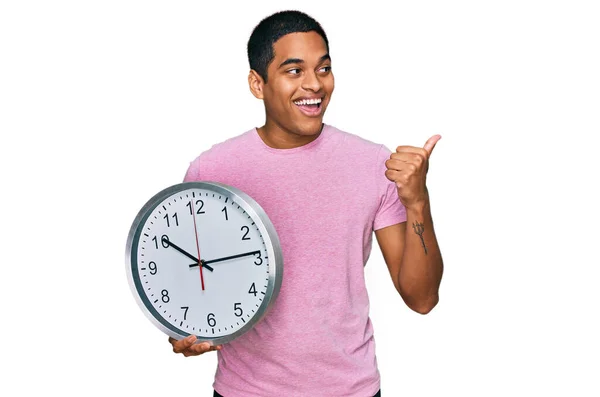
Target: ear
(256,84)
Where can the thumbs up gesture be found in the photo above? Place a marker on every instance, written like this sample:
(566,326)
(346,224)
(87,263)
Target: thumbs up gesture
(408,169)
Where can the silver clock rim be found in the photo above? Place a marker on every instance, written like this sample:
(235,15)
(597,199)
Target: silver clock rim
(266,228)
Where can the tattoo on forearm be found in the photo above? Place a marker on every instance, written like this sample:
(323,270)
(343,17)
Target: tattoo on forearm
(419,229)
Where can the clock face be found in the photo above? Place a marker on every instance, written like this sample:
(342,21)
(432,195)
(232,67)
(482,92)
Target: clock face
(204,259)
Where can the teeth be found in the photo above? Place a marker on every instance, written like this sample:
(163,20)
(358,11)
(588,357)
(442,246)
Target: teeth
(308,101)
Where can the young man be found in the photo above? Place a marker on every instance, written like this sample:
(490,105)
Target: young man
(326,191)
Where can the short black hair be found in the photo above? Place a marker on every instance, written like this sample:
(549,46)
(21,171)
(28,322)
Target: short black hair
(271,29)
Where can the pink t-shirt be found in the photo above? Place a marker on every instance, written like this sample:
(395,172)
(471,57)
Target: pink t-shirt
(325,199)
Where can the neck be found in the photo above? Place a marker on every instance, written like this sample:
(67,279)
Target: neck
(277,137)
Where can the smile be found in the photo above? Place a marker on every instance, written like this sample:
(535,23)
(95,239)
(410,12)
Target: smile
(310,107)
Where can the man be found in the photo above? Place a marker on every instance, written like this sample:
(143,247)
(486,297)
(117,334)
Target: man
(326,191)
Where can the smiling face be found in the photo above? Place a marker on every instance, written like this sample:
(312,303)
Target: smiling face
(298,89)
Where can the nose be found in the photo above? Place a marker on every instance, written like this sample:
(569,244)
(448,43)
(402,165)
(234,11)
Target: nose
(311,82)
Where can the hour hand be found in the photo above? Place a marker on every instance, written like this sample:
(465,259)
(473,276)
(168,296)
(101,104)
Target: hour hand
(184,252)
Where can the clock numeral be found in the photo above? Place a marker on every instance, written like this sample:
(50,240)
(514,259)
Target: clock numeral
(164,240)
(153,268)
(165,296)
(200,205)
(236,307)
(225,210)
(211,319)
(259,258)
(245,236)
(252,289)
(185,309)
(174,216)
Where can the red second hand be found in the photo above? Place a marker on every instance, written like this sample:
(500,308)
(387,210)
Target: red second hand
(197,245)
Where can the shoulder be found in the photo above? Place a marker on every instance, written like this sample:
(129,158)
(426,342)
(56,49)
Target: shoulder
(228,146)
(218,154)
(358,144)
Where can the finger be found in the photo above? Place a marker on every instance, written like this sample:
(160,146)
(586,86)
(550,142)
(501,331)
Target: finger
(412,149)
(182,345)
(417,158)
(402,156)
(200,348)
(430,144)
(217,347)
(408,161)
(395,176)
(398,165)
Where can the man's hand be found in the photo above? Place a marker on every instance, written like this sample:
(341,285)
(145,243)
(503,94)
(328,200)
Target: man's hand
(188,347)
(408,169)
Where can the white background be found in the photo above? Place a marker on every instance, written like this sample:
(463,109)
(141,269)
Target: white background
(103,104)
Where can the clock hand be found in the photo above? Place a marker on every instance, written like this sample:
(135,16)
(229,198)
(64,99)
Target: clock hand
(197,244)
(226,258)
(170,244)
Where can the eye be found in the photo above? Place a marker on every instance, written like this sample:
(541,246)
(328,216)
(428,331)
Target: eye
(293,71)
(325,69)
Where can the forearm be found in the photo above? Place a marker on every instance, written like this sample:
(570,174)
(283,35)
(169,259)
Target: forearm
(421,267)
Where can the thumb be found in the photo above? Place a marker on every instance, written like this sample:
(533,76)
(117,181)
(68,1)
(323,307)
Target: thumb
(430,144)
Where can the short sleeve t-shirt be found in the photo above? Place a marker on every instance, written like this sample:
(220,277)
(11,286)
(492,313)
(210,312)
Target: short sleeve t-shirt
(324,199)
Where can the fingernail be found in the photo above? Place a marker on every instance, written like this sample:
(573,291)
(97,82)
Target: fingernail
(190,338)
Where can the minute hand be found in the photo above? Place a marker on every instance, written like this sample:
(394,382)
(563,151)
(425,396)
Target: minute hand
(204,263)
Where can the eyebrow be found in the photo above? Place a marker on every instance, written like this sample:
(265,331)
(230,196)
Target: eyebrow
(298,60)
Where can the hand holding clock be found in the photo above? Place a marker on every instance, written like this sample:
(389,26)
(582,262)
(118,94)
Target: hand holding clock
(189,348)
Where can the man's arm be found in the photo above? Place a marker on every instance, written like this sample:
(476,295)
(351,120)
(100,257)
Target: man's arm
(413,258)
(410,249)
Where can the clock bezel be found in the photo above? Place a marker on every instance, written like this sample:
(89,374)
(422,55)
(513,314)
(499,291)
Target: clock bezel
(265,227)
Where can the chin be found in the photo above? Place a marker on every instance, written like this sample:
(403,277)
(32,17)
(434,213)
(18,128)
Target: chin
(311,127)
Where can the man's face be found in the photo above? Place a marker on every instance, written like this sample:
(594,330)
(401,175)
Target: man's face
(299,83)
